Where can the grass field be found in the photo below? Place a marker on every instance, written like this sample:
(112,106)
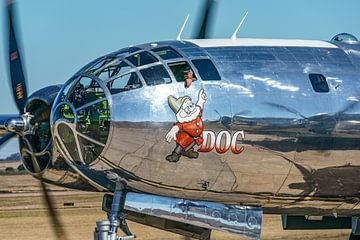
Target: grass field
(23,216)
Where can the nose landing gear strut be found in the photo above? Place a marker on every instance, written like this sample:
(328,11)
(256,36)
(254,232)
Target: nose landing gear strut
(107,230)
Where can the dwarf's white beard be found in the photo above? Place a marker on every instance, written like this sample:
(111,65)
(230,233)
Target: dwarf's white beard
(190,117)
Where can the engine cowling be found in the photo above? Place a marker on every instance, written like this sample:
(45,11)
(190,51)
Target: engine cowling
(36,142)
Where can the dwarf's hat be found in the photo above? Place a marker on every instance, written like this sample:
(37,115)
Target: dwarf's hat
(176,103)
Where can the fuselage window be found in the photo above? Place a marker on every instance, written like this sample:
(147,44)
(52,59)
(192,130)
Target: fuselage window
(155,75)
(124,83)
(180,69)
(112,70)
(206,69)
(166,53)
(142,58)
(319,83)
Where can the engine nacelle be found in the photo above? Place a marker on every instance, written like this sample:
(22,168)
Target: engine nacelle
(36,141)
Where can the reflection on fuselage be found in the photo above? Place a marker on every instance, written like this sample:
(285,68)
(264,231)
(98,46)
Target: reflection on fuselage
(294,140)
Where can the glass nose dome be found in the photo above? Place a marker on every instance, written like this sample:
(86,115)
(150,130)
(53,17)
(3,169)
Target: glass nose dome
(81,119)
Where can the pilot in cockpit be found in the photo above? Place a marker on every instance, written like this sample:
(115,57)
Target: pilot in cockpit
(188,78)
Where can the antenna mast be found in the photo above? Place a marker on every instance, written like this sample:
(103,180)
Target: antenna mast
(182,28)
(233,37)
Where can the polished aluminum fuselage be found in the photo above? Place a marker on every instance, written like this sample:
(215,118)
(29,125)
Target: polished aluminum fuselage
(301,147)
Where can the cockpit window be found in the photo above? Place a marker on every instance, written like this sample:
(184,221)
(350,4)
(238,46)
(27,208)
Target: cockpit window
(166,53)
(91,150)
(93,121)
(133,49)
(206,69)
(113,69)
(86,90)
(179,69)
(68,139)
(155,75)
(142,58)
(124,83)
(100,64)
(128,51)
(81,120)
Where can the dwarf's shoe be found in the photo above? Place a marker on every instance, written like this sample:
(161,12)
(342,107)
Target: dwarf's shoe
(174,157)
(190,153)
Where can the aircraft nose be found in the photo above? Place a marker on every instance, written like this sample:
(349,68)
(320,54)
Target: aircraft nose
(80,120)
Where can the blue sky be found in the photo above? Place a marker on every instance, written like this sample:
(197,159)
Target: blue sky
(60,36)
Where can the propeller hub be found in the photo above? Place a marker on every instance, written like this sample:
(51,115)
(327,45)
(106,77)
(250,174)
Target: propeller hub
(20,125)
(16,125)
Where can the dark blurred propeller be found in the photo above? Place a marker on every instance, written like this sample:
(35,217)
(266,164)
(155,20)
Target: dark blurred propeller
(20,95)
(18,83)
(57,225)
(6,137)
(207,12)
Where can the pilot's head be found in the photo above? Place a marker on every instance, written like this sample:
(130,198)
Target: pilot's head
(188,78)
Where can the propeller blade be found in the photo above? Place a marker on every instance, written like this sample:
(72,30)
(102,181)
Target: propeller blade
(4,118)
(206,11)
(20,95)
(55,220)
(17,77)
(6,137)
(57,225)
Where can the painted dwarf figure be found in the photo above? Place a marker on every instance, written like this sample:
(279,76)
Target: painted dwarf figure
(189,127)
